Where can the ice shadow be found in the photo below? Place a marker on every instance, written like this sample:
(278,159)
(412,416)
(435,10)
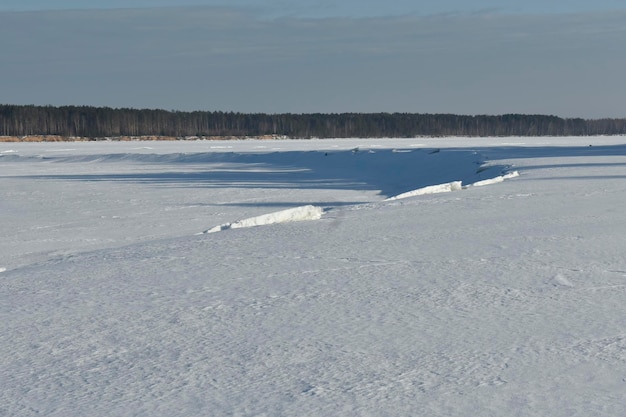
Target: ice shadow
(535,152)
(591,158)
(390,172)
(387,171)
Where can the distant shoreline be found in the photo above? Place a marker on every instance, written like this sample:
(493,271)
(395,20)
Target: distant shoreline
(59,138)
(49,123)
(154,138)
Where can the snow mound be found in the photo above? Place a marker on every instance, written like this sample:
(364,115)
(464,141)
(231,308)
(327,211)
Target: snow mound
(495,180)
(296,214)
(431,189)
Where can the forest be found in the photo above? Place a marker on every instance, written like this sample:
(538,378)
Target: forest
(104,122)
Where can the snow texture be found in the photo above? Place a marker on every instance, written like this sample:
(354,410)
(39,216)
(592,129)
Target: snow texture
(500,300)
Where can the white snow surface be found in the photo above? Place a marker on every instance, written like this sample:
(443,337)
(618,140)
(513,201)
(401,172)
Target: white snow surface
(498,300)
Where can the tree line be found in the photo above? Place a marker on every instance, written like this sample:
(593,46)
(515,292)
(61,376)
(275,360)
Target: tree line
(101,122)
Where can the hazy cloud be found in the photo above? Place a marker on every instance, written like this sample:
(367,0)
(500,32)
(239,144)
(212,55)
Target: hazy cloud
(225,59)
(335,8)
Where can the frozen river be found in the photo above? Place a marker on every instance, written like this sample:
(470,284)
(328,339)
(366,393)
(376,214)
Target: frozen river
(504,299)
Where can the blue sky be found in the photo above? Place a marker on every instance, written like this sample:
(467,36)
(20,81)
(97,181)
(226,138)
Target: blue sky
(467,57)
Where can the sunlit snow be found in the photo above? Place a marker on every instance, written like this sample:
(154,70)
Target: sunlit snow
(325,293)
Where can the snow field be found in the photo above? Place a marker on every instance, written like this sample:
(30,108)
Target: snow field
(495,301)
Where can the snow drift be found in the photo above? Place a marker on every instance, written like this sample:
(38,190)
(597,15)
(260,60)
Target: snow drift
(452,186)
(431,189)
(296,214)
(495,180)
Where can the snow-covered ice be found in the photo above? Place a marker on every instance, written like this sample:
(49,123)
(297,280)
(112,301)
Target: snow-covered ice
(503,298)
